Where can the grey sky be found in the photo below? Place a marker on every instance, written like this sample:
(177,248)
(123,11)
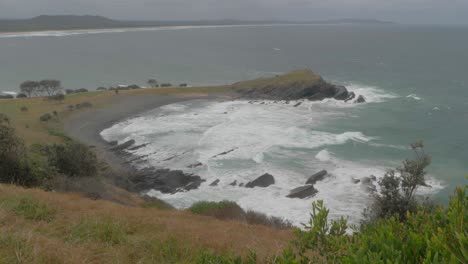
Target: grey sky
(403,11)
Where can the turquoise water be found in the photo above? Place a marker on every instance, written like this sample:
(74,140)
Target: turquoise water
(429,63)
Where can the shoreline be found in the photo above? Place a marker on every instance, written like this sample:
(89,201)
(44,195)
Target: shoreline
(86,126)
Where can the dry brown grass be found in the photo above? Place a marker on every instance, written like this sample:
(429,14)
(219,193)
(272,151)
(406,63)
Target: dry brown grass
(145,235)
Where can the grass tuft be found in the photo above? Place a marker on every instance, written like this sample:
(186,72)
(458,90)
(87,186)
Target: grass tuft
(30,209)
(104,230)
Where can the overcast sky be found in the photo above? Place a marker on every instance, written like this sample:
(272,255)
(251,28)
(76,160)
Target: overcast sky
(403,11)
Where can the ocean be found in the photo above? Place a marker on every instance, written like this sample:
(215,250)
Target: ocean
(414,79)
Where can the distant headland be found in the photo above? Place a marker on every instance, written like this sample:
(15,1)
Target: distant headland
(74,22)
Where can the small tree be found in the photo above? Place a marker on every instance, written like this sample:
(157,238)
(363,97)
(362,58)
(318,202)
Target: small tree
(51,87)
(29,87)
(153,83)
(398,187)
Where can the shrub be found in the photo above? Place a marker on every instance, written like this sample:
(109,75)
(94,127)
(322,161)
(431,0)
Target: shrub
(73,159)
(397,187)
(14,163)
(6,96)
(83,105)
(57,97)
(24,109)
(225,210)
(81,90)
(101,89)
(45,117)
(166,85)
(21,95)
(427,236)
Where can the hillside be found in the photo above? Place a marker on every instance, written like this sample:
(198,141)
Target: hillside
(75,22)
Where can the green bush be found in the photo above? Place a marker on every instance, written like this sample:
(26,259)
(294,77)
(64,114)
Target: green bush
(15,167)
(206,208)
(428,236)
(45,117)
(72,158)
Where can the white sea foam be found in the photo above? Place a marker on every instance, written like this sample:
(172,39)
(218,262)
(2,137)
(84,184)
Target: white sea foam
(413,96)
(238,140)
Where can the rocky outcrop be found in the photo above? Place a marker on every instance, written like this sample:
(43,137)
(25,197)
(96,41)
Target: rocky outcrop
(303,84)
(360,99)
(165,181)
(302,192)
(368,185)
(234,183)
(317,177)
(263,181)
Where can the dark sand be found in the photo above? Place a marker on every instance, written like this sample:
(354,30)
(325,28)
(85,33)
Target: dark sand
(86,126)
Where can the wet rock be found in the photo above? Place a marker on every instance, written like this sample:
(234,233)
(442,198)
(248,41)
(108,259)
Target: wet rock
(341,93)
(241,184)
(165,181)
(123,146)
(298,104)
(368,185)
(302,192)
(263,181)
(355,181)
(351,96)
(195,165)
(138,147)
(373,178)
(113,143)
(360,99)
(224,153)
(317,177)
(234,183)
(215,183)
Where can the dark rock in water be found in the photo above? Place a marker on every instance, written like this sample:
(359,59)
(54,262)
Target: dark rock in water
(225,113)
(302,192)
(113,143)
(224,153)
(138,147)
(341,93)
(360,99)
(351,96)
(241,184)
(317,177)
(263,181)
(373,178)
(195,165)
(366,180)
(165,181)
(215,183)
(355,181)
(298,104)
(123,145)
(234,183)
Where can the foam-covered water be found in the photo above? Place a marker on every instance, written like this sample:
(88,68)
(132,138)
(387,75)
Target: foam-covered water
(241,140)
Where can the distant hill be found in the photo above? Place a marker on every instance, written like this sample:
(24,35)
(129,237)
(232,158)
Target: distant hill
(73,22)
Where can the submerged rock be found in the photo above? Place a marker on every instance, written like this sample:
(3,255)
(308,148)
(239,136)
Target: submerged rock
(317,177)
(234,183)
(124,145)
(215,183)
(355,181)
(341,93)
(263,181)
(302,192)
(298,104)
(191,166)
(165,181)
(368,185)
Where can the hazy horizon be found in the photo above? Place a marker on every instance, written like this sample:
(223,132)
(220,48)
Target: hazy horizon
(399,11)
